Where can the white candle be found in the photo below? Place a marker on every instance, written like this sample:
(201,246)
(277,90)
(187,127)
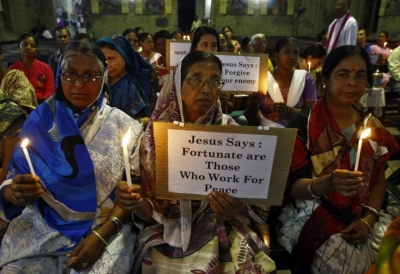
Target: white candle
(384,45)
(28,159)
(309,66)
(364,135)
(126,158)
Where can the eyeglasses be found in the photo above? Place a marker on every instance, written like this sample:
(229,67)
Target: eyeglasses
(87,78)
(196,81)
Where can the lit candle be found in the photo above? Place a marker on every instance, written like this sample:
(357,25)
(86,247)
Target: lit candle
(384,45)
(364,135)
(309,66)
(391,50)
(126,158)
(28,159)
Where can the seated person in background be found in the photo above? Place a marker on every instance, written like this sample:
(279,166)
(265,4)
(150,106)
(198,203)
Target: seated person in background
(160,46)
(382,47)
(63,38)
(362,37)
(294,86)
(228,33)
(129,77)
(246,45)
(259,45)
(315,56)
(132,37)
(178,35)
(223,45)
(39,74)
(394,70)
(183,236)
(333,221)
(65,217)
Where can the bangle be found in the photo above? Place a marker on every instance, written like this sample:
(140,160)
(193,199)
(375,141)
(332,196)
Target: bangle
(99,236)
(367,224)
(373,210)
(311,190)
(116,222)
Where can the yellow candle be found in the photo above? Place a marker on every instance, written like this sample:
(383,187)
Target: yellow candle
(309,66)
(28,159)
(126,158)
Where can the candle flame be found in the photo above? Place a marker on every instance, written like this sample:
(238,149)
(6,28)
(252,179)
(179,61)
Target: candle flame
(384,45)
(25,142)
(365,133)
(309,64)
(126,138)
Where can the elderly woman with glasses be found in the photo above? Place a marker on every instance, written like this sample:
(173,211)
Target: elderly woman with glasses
(188,236)
(61,208)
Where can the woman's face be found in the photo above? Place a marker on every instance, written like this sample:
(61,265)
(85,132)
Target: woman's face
(133,39)
(361,37)
(116,64)
(198,99)
(228,33)
(347,81)
(80,93)
(208,43)
(28,47)
(288,56)
(147,44)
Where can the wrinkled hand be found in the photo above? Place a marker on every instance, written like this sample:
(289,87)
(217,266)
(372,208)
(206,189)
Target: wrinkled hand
(85,253)
(255,98)
(128,198)
(225,207)
(346,182)
(24,189)
(281,108)
(356,233)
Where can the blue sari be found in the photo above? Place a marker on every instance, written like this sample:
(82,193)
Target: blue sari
(134,92)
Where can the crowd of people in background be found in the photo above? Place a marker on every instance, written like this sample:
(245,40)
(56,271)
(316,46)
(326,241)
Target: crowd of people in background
(77,212)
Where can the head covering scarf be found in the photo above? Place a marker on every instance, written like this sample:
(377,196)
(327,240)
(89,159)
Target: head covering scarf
(12,117)
(169,108)
(134,91)
(61,159)
(16,86)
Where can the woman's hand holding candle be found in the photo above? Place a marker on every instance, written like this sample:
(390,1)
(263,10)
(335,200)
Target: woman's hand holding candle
(23,190)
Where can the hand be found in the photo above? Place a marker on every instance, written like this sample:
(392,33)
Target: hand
(155,73)
(346,182)
(223,96)
(128,198)
(237,47)
(356,233)
(87,252)
(281,108)
(255,98)
(24,189)
(225,207)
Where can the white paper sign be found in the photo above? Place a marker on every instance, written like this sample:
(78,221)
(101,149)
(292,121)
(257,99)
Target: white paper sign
(238,164)
(240,73)
(178,51)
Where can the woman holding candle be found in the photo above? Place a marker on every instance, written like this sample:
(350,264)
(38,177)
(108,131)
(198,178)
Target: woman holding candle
(289,90)
(333,222)
(75,148)
(187,236)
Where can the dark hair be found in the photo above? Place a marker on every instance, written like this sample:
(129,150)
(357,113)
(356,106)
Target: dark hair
(316,51)
(1,50)
(82,36)
(245,41)
(336,56)
(144,35)
(61,28)
(227,27)
(385,32)
(161,34)
(365,31)
(83,47)
(176,32)
(197,57)
(283,42)
(199,33)
(127,31)
(137,29)
(25,35)
(321,34)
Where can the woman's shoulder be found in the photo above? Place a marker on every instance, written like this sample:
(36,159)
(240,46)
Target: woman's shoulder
(120,118)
